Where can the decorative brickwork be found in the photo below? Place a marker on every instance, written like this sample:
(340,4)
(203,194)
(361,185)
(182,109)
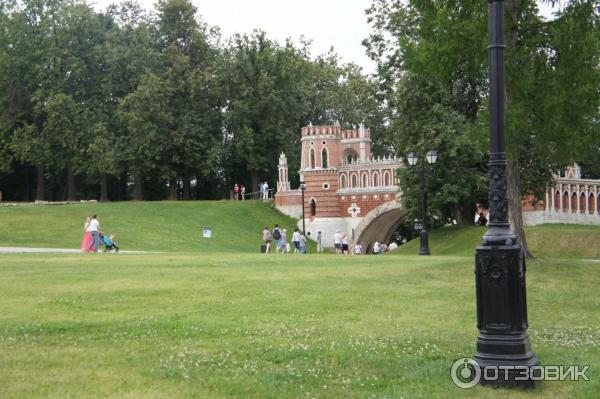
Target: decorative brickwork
(343,181)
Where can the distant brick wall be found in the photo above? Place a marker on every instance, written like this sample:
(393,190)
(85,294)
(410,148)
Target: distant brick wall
(288,198)
(321,186)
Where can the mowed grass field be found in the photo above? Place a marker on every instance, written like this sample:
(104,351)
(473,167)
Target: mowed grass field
(222,323)
(152,226)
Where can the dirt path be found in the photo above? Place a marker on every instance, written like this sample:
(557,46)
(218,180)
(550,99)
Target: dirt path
(23,250)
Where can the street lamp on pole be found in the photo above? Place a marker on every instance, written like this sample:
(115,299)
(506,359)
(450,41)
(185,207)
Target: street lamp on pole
(412,159)
(503,341)
(302,188)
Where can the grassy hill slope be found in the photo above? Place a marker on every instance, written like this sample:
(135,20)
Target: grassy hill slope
(552,240)
(152,226)
(237,227)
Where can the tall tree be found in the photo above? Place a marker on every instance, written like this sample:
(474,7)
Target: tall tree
(265,90)
(145,113)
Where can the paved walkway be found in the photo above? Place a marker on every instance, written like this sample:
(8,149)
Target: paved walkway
(23,250)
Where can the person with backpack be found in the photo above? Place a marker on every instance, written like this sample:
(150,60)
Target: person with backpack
(278,239)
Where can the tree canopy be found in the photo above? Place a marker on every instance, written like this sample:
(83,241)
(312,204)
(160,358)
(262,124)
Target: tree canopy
(149,105)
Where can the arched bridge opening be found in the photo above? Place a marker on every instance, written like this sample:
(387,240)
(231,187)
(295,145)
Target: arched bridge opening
(379,224)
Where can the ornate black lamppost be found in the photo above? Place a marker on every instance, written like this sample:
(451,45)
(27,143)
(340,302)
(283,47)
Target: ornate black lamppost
(302,188)
(412,161)
(503,343)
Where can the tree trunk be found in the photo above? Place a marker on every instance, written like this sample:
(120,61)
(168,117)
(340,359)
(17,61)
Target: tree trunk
(28,188)
(513,173)
(254,179)
(173,189)
(39,195)
(463,213)
(458,215)
(70,184)
(138,190)
(515,204)
(186,188)
(104,188)
(123,187)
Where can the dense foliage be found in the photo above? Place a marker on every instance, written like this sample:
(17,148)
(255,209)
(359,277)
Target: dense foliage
(439,50)
(126,104)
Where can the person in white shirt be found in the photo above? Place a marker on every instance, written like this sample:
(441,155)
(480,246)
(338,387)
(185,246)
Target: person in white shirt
(296,240)
(345,248)
(337,242)
(302,244)
(357,249)
(265,191)
(376,248)
(94,229)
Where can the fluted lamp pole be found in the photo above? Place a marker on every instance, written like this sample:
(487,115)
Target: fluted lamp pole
(503,343)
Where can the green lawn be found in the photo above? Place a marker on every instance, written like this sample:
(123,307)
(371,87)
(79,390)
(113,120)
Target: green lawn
(221,322)
(552,240)
(152,226)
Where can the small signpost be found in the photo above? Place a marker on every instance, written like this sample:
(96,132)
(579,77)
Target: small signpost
(206,232)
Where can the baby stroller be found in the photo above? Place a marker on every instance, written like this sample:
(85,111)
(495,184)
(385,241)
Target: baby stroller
(109,244)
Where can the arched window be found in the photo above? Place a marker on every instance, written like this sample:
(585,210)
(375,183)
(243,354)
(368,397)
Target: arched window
(386,179)
(343,181)
(324,158)
(582,203)
(365,180)
(591,204)
(565,201)
(574,202)
(375,179)
(557,200)
(313,207)
(353,181)
(350,155)
(312,158)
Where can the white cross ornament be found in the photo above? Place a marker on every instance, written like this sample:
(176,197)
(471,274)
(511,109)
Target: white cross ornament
(354,210)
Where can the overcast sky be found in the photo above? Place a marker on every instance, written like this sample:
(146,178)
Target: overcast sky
(338,23)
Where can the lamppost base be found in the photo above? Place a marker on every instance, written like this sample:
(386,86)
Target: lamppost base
(424,240)
(503,347)
(506,370)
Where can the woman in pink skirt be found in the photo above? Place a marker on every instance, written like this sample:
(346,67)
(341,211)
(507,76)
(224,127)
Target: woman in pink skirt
(87,237)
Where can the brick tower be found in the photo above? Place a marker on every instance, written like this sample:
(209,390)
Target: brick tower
(343,181)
